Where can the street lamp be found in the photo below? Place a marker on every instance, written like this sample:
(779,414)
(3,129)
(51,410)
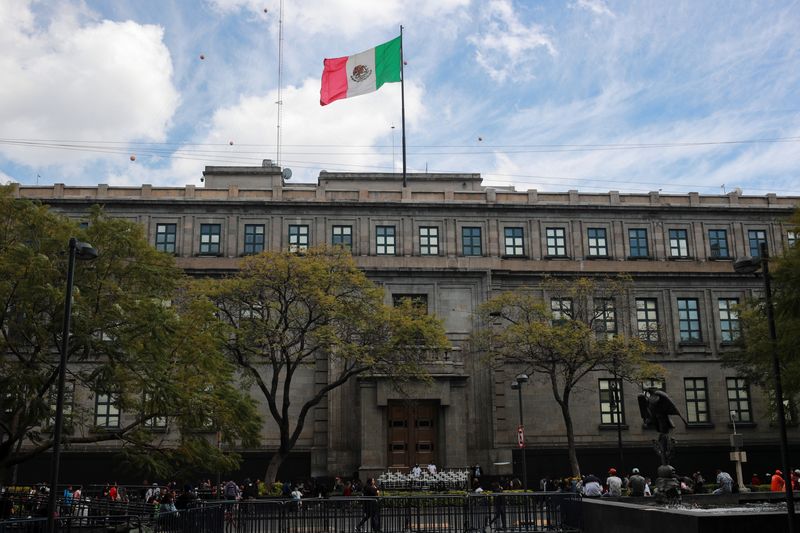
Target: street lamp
(83,251)
(517,386)
(736,443)
(750,265)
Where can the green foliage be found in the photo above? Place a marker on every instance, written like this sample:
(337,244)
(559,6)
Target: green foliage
(133,336)
(522,332)
(285,312)
(754,357)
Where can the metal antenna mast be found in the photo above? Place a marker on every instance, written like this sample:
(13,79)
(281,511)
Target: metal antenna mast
(280,84)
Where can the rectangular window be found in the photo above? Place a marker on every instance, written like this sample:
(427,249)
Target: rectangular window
(513,241)
(561,308)
(689,320)
(637,240)
(696,390)
(728,319)
(718,242)
(385,240)
(154,422)
(739,399)
(106,412)
(165,237)
(69,400)
(647,319)
(209,238)
(678,243)
(429,240)
(598,243)
(791,238)
(611,401)
(754,239)
(342,236)
(556,242)
(471,241)
(298,237)
(420,301)
(657,384)
(605,318)
(253,238)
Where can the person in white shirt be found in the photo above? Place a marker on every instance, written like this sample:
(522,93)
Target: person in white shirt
(431,468)
(416,471)
(592,488)
(614,483)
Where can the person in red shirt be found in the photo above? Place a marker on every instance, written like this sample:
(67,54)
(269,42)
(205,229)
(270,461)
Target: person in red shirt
(112,492)
(777,484)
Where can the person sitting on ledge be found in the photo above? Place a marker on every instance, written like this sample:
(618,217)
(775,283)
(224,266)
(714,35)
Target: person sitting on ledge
(725,482)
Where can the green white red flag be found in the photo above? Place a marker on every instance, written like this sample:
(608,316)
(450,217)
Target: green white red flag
(362,73)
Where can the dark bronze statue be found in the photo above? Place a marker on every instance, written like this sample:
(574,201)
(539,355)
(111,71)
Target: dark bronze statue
(656,407)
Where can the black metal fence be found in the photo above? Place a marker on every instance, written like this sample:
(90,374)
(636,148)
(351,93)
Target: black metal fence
(519,512)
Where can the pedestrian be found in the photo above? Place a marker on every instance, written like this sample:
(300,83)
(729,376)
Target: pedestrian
(591,487)
(755,480)
(231,491)
(371,506)
(777,484)
(637,484)
(499,504)
(152,493)
(697,483)
(614,483)
(724,483)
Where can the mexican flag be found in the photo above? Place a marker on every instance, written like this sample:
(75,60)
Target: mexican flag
(362,73)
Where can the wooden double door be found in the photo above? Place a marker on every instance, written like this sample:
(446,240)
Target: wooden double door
(412,432)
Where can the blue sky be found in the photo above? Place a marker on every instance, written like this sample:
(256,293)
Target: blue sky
(594,95)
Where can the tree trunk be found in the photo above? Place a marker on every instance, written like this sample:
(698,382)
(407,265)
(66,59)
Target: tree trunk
(573,454)
(274,464)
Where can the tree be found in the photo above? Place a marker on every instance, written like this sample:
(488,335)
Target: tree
(753,359)
(135,343)
(564,339)
(285,312)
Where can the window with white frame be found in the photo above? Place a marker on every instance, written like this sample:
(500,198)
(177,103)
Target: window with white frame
(678,243)
(791,238)
(556,241)
(298,237)
(385,243)
(429,240)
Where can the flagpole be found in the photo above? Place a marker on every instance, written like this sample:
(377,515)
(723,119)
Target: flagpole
(403,104)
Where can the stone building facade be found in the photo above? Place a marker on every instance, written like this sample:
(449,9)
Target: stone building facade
(449,241)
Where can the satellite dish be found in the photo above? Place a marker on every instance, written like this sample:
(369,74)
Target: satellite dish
(287,173)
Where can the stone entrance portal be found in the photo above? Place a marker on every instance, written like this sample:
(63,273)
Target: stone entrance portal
(412,435)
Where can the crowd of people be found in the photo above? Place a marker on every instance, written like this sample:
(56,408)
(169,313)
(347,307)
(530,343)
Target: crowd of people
(619,484)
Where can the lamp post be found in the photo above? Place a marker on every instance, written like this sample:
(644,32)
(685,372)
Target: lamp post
(84,251)
(750,265)
(738,455)
(517,386)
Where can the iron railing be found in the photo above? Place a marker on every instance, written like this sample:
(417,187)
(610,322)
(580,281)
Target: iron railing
(518,512)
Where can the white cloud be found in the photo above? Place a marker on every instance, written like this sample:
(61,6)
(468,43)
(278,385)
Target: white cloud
(76,78)
(598,7)
(506,47)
